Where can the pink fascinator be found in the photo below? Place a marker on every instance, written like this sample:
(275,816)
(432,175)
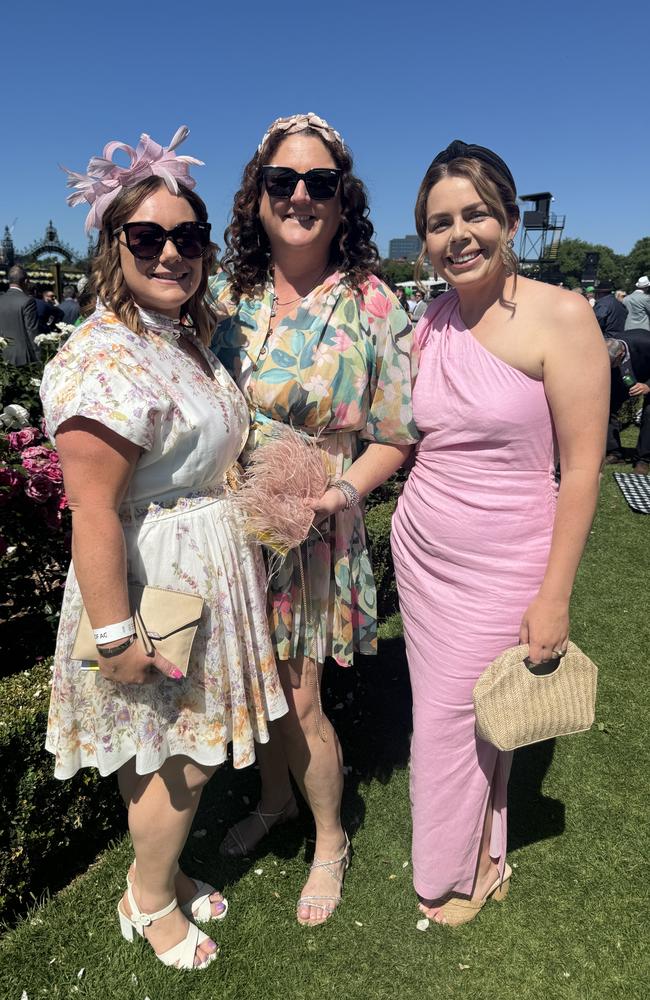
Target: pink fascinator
(105,179)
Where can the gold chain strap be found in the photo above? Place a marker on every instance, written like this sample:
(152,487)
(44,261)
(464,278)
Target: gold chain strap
(309,623)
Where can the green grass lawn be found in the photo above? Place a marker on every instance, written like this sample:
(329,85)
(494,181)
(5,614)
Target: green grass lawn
(572,926)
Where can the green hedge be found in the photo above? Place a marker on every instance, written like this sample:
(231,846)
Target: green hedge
(49,829)
(378,531)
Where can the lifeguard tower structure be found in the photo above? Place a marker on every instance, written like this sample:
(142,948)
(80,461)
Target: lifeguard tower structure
(541,235)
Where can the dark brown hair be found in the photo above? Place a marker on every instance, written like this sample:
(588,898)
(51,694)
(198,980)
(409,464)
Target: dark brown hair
(107,278)
(246,260)
(495,190)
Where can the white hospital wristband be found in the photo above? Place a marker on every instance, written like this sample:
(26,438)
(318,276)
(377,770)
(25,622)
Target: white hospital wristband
(122,630)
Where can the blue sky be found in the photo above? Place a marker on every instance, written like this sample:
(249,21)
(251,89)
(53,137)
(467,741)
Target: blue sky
(558,89)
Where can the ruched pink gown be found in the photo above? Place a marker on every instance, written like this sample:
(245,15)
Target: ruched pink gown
(470,541)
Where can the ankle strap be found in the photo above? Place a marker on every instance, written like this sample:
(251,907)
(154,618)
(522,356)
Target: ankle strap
(145,919)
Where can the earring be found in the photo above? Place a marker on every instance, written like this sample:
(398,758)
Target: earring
(511,242)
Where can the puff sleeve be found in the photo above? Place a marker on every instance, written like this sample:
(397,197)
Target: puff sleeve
(97,375)
(392,368)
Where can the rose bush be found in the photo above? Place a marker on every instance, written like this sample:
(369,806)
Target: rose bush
(35,529)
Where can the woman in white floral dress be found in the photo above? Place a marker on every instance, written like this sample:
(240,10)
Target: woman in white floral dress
(147,422)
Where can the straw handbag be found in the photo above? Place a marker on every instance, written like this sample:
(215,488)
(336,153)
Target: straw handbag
(165,621)
(518,703)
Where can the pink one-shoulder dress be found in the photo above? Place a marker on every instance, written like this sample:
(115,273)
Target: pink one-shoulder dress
(470,542)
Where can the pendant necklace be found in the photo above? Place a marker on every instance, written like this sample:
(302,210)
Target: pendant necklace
(276,302)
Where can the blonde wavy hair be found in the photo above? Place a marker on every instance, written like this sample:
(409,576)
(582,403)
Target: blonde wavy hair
(494,189)
(107,277)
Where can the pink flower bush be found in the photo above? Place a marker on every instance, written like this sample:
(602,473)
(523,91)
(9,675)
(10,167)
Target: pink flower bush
(38,458)
(39,487)
(35,537)
(10,484)
(20,439)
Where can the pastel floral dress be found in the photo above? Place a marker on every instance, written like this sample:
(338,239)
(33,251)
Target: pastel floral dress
(339,366)
(181,533)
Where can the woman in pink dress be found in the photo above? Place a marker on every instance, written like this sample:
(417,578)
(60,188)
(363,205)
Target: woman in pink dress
(512,374)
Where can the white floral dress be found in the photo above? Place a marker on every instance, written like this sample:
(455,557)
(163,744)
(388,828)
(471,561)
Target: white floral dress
(181,533)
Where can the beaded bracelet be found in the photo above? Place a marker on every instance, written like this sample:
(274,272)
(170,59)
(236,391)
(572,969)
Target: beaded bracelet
(350,492)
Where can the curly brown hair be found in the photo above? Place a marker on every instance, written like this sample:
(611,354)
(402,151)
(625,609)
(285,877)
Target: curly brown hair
(493,187)
(352,251)
(107,278)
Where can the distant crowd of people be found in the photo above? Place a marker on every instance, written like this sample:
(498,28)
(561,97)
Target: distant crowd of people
(27,312)
(625,323)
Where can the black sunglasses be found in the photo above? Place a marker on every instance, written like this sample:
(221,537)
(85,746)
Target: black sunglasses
(146,240)
(321,182)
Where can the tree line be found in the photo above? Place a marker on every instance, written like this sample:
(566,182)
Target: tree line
(615,270)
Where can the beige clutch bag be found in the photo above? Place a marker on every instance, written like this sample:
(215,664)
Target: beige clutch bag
(165,620)
(518,703)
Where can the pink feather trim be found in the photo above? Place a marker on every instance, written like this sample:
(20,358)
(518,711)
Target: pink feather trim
(283,472)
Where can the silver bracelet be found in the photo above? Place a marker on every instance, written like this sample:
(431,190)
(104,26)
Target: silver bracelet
(350,492)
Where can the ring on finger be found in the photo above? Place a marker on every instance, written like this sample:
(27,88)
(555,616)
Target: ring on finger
(560,652)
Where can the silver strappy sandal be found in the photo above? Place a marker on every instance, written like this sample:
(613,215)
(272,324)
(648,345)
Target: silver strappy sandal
(327,904)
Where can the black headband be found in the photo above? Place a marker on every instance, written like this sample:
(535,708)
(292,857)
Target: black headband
(457,149)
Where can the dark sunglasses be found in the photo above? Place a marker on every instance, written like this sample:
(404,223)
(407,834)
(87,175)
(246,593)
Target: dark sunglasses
(321,183)
(146,240)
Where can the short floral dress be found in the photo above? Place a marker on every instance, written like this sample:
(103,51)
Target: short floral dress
(181,533)
(339,366)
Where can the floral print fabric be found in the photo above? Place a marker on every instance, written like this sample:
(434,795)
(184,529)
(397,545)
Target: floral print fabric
(181,533)
(338,366)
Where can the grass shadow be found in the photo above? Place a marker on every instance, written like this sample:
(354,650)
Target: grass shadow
(532,816)
(370,707)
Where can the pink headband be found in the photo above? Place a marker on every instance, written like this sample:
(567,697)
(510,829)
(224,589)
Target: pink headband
(105,179)
(298,123)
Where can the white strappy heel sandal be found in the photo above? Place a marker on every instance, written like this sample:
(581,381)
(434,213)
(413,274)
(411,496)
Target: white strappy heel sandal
(182,955)
(199,907)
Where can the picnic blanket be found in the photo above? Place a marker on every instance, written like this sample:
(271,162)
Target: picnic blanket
(636,490)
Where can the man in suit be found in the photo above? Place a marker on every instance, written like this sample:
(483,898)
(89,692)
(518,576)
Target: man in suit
(611,315)
(638,305)
(629,355)
(18,320)
(69,305)
(49,313)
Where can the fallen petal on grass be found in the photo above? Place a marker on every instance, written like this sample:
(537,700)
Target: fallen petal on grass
(258,871)
(461,966)
(358,923)
(423,925)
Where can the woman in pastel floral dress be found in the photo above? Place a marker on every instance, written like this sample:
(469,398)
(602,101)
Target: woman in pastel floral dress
(314,340)
(147,422)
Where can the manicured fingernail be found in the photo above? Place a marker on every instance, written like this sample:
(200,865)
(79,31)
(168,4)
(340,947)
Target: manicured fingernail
(220,907)
(176,674)
(210,945)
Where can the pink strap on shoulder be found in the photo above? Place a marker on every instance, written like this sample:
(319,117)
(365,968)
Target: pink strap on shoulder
(437,313)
